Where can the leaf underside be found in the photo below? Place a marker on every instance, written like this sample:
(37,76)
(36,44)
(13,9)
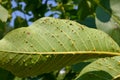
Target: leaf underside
(50,44)
(101,69)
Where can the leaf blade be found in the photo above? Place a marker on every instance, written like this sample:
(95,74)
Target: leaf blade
(50,41)
(104,68)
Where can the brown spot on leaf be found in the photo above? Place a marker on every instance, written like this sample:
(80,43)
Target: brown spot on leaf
(61,31)
(28,33)
(61,44)
(31,46)
(26,41)
(71,24)
(72,30)
(53,50)
(57,27)
(53,35)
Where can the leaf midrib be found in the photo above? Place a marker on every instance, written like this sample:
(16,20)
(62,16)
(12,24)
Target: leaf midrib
(71,52)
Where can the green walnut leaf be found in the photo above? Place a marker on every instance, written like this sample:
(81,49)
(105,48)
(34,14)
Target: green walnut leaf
(102,69)
(50,44)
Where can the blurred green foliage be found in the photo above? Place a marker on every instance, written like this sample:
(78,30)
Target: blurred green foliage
(78,10)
